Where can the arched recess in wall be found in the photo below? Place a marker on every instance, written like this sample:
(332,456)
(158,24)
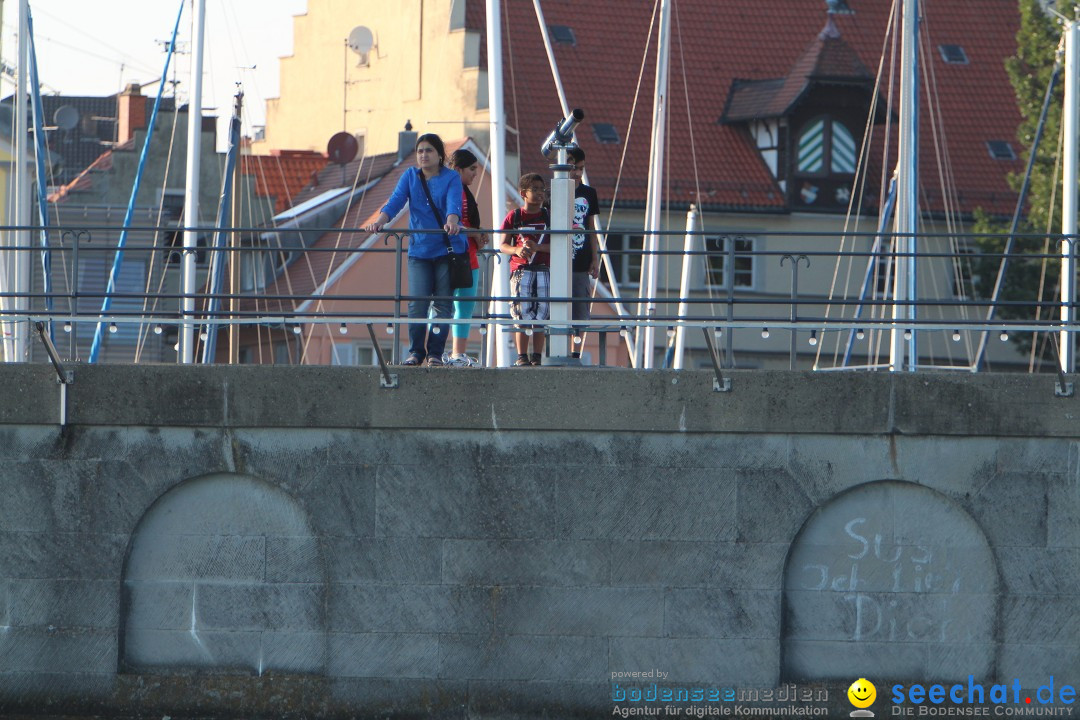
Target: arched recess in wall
(889,579)
(223,573)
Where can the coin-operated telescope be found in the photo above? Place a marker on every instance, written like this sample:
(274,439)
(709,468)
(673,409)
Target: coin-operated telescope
(556,149)
(563,134)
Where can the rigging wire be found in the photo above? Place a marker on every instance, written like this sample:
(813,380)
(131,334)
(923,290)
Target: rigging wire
(947,179)
(319,304)
(1046,338)
(158,257)
(513,82)
(861,174)
(694,163)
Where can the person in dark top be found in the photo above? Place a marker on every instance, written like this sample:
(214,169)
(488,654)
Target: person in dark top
(465,163)
(585,266)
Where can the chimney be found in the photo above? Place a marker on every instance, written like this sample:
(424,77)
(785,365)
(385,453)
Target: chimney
(406,143)
(130,112)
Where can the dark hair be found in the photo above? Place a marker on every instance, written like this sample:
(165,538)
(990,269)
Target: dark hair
(436,142)
(462,159)
(576,154)
(528,179)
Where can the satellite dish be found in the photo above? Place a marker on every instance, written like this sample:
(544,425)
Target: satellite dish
(361,40)
(66,117)
(342,148)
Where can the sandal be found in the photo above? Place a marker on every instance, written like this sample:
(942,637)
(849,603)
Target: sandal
(413,360)
(434,361)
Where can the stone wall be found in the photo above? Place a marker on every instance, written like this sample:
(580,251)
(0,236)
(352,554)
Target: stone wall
(301,542)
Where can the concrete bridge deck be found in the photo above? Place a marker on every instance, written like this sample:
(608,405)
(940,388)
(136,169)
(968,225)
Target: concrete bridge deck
(300,542)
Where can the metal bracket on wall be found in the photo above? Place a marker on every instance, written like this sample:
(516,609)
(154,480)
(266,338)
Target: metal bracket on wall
(386,379)
(63,375)
(1062,388)
(720,383)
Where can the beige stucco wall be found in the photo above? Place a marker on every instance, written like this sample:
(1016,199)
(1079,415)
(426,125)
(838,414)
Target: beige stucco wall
(418,71)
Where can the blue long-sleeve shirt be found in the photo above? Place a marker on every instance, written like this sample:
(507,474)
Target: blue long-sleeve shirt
(446,192)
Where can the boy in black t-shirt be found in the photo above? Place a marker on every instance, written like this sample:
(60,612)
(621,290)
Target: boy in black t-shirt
(585,266)
(530,276)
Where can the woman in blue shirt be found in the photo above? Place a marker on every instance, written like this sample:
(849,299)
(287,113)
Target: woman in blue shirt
(429,267)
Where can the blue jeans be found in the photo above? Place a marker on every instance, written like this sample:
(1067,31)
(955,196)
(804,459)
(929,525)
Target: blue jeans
(428,278)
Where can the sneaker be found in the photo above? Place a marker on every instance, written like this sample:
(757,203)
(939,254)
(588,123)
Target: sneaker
(522,361)
(413,360)
(535,359)
(434,361)
(460,361)
(575,355)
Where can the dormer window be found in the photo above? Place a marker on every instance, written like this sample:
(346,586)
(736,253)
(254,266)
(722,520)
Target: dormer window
(605,133)
(825,147)
(562,35)
(1000,150)
(953,54)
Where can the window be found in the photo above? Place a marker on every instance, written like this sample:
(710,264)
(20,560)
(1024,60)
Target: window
(825,143)
(605,133)
(562,35)
(254,269)
(284,352)
(343,354)
(624,250)
(843,150)
(457,14)
(953,54)
(883,279)
(348,353)
(1000,150)
(737,248)
(94,274)
(812,147)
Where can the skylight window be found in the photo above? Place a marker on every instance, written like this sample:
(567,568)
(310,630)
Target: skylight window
(606,133)
(1000,150)
(953,54)
(562,35)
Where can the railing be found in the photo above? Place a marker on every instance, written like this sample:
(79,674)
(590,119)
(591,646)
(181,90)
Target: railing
(794,293)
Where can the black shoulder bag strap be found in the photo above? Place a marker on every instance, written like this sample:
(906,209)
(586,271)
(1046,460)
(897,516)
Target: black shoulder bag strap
(437,211)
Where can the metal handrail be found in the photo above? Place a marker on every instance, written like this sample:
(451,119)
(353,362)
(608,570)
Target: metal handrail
(744,309)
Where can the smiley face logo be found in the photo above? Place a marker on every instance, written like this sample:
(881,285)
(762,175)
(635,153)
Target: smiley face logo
(862,693)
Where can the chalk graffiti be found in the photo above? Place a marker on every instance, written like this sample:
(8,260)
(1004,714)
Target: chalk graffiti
(899,592)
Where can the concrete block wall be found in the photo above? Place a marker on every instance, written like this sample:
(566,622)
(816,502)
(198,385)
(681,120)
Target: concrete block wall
(246,541)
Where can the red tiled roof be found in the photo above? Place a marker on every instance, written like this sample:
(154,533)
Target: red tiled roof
(283,174)
(714,43)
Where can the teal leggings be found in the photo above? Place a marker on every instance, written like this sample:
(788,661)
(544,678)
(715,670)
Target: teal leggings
(463,308)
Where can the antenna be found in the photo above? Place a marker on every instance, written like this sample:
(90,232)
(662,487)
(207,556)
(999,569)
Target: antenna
(66,117)
(361,41)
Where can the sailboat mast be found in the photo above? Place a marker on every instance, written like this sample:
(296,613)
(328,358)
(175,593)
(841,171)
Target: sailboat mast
(903,311)
(1070,127)
(16,332)
(650,261)
(688,267)
(498,337)
(191,192)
